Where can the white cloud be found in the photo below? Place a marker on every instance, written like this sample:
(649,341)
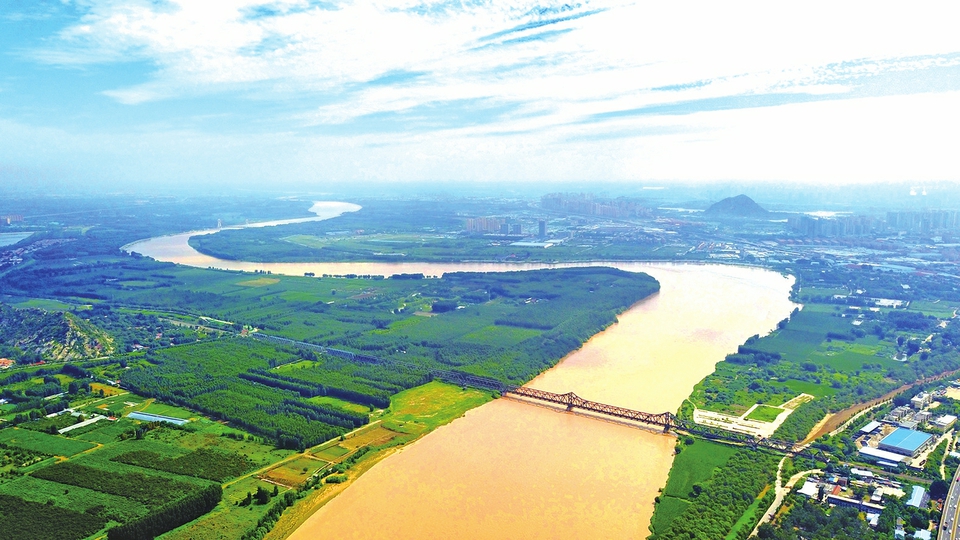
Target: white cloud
(472,80)
(860,140)
(616,52)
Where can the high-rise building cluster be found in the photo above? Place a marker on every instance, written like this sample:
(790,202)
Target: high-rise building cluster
(929,221)
(932,221)
(485,224)
(839,226)
(587,203)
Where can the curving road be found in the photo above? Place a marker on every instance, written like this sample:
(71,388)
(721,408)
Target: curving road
(951,515)
(781,493)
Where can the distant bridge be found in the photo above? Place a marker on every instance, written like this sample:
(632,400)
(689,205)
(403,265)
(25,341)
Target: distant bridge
(666,421)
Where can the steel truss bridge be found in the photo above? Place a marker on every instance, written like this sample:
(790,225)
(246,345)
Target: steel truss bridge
(666,421)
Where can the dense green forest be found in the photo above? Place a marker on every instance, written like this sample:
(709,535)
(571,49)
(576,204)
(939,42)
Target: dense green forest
(494,313)
(508,326)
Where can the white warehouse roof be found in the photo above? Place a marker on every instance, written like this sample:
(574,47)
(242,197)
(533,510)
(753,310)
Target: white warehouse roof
(876,453)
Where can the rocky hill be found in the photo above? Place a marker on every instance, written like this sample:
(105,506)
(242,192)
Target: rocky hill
(50,335)
(739,206)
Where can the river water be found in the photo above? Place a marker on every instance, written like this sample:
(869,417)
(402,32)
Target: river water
(8,239)
(510,469)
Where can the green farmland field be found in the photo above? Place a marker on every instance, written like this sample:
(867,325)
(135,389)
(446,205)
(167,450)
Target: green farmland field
(668,509)
(764,413)
(695,464)
(42,442)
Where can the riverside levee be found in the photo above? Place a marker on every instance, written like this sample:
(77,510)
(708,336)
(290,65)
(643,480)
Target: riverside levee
(507,469)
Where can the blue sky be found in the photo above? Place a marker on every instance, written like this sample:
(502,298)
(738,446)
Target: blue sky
(300,93)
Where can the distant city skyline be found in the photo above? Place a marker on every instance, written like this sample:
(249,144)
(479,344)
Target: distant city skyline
(108,94)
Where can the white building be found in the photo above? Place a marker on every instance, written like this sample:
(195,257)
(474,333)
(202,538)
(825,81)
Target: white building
(945,422)
(810,488)
(881,456)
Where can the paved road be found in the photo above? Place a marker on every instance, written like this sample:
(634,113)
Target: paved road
(951,511)
(781,492)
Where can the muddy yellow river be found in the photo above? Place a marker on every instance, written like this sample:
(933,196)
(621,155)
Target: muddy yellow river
(510,469)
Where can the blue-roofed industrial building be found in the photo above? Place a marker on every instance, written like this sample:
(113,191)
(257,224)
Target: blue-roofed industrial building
(906,442)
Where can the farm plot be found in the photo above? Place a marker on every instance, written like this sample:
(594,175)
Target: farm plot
(162,409)
(259,282)
(332,453)
(149,490)
(43,442)
(28,520)
(340,403)
(113,507)
(14,461)
(107,389)
(104,432)
(228,520)
(203,463)
(376,436)
(293,473)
